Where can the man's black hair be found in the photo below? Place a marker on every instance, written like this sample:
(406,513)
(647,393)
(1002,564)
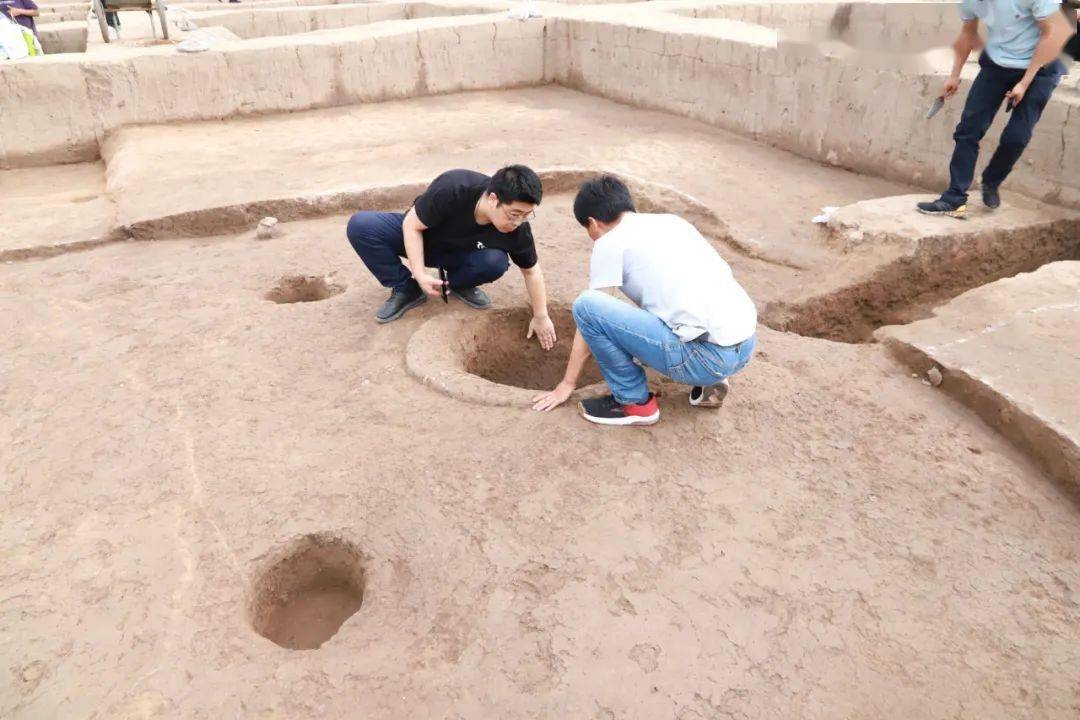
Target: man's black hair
(516,183)
(604,198)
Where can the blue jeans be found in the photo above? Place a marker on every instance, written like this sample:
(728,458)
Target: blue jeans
(983,101)
(379,241)
(617,332)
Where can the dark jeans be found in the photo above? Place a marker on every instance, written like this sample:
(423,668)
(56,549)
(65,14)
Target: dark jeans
(378,240)
(1072,47)
(983,101)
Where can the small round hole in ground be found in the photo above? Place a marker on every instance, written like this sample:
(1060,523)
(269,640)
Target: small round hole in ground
(303,288)
(302,599)
(498,351)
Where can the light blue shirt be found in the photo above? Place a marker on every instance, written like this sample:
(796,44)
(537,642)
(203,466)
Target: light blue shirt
(1012,27)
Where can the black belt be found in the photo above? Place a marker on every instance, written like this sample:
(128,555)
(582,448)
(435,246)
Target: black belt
(705,337)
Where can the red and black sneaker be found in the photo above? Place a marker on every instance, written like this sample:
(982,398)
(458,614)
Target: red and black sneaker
(608,411)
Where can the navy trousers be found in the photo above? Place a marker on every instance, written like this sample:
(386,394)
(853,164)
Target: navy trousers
(1072,47)
(983,101)
(379,241)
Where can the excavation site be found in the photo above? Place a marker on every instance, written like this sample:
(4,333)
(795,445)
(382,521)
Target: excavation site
(259,464)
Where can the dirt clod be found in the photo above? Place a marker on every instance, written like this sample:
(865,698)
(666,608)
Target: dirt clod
(303,288)
(31,675)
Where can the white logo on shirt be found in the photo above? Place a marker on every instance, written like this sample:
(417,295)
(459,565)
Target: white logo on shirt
(480,246)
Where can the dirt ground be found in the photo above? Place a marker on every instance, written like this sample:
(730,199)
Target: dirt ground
(839,541)
(54,205)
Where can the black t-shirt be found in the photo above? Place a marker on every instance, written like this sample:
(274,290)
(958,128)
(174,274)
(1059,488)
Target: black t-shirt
(447,208)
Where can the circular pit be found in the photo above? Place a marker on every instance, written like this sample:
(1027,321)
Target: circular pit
(484,357)
(301,599)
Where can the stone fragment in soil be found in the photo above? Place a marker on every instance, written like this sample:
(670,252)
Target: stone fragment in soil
(267,228)
(303,288)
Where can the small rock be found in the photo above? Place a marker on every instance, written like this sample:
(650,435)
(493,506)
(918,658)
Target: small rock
(267,228)
(934,376)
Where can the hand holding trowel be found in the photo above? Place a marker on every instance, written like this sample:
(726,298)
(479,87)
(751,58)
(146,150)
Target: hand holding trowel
(949,89)
(936,107)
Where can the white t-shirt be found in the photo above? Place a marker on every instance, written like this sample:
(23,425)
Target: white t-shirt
(666,267)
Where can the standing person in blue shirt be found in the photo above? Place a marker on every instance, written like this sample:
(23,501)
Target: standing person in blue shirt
(1020,67)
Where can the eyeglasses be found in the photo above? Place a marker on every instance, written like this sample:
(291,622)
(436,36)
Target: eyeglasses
(518,218)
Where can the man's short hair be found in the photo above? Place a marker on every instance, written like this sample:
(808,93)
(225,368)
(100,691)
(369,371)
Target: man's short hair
(516,183)
(604,198)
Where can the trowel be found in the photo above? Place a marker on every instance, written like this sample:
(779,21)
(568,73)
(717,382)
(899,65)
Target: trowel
(936,107)
(444,287)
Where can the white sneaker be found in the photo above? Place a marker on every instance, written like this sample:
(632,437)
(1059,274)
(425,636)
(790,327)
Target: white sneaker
(711,396)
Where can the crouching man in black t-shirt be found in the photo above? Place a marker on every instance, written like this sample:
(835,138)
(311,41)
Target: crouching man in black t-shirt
(465,223)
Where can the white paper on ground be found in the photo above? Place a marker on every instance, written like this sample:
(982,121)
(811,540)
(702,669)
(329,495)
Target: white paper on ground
(826,213)
(192,46)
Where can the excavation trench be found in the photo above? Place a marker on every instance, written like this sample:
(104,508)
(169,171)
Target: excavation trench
(910,287)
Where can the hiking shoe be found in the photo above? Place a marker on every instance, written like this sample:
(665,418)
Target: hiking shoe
(473,297)
(401,301)
(711,396)
(942,207)
(608,411)
(991,198)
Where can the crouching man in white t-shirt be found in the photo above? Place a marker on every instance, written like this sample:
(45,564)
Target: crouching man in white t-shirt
(693,322)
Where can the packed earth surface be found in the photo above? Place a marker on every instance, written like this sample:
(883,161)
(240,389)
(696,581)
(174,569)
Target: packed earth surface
(229,493)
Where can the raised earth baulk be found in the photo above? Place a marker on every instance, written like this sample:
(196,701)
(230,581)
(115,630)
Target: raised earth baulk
(1009,351)
(866,116)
